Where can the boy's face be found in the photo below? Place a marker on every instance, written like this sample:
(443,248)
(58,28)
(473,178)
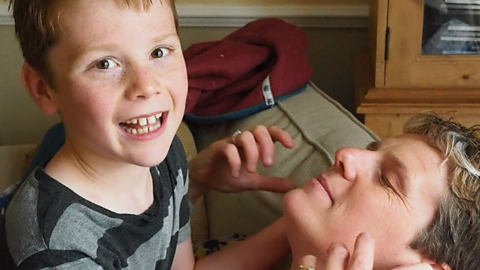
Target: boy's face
(120,79)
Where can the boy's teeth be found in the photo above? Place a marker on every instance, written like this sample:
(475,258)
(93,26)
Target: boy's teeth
(142,121)
(152,119)
(143,130)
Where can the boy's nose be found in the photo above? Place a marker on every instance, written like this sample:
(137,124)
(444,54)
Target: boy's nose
(144,84)
(351,162)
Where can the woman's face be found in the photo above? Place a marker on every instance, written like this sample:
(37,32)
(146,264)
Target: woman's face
(391,190)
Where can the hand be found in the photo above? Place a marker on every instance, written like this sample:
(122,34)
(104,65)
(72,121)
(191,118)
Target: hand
(229,166)
(361,259)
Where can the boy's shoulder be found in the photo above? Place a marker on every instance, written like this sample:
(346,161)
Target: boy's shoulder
(44,203)
(42,217)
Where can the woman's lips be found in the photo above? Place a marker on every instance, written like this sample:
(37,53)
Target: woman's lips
(323,182)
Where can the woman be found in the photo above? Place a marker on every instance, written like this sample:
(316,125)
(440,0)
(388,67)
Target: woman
(416,195)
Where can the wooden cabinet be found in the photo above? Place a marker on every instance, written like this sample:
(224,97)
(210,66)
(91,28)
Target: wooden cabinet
(423,55)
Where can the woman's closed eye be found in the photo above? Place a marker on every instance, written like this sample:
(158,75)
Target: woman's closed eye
(386,183)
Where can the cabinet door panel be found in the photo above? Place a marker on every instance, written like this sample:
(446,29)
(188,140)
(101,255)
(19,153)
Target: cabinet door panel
(407,66)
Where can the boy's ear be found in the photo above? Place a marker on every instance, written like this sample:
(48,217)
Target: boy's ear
(38,89)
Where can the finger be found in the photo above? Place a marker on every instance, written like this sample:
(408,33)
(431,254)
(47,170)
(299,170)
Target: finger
(265,143)
(337,257)
(420,266)
(363,253)
(307,262)
(230,151)
(249,146)
(275,184)
(281,136)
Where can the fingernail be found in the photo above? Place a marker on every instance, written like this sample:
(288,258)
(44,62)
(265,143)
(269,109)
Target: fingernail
(268,161)
(365,235)
(338,249)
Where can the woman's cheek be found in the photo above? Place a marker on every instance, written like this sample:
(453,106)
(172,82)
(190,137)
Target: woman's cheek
(302,224)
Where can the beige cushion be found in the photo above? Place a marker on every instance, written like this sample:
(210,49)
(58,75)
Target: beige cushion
(198,220)
(318,125)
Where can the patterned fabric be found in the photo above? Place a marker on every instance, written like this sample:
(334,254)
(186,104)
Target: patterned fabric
(47,225)
(213,245)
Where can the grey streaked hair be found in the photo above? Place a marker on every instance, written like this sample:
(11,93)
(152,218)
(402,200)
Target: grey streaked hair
(453,237)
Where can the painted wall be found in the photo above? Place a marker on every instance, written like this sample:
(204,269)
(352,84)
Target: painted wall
(20,119)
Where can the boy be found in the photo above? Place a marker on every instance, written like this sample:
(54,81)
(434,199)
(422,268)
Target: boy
(115,196)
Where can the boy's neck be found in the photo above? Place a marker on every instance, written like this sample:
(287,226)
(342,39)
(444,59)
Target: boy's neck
(103,181)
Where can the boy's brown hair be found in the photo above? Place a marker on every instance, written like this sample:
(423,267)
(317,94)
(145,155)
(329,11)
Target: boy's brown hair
(36,27)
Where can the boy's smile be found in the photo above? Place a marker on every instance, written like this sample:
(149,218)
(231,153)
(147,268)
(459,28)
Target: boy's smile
(144,124)
(119,80)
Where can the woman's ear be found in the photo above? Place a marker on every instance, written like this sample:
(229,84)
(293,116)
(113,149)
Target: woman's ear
(437,266)
(38,89)
(442,266)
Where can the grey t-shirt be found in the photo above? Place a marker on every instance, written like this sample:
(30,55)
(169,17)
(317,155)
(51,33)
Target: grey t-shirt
(48,226)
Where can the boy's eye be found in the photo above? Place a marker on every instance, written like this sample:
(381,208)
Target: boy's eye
(105,64)
(160,52)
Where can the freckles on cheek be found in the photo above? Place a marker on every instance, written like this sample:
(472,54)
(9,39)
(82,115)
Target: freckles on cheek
(90,103)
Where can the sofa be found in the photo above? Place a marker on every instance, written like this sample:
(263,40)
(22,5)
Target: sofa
(317,123)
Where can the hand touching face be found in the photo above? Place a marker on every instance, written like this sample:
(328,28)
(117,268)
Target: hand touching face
(361,259)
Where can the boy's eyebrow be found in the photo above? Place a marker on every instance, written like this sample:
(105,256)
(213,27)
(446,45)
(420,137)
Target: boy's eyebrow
(164,37)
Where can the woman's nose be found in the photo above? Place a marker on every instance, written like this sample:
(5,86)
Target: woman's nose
(351,162)
(144,83)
